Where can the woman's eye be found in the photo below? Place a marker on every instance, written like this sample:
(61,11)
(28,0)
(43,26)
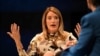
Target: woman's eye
(49,17)
(56,17)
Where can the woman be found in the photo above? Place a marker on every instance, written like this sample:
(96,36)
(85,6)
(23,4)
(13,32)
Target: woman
(52,38)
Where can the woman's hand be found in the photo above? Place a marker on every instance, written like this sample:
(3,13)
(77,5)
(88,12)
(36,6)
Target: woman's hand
(49,53)
(77,29)
(70,43)
(15,33)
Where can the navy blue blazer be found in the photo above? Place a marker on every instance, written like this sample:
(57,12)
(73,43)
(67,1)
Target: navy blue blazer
(89,39)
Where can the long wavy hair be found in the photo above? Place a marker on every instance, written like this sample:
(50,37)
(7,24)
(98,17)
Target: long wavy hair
(61,25)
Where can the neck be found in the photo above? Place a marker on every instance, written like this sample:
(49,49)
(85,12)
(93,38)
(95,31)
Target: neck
(52,34)
(93,8)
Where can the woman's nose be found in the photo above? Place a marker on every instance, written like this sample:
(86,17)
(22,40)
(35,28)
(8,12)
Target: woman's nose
(53,20)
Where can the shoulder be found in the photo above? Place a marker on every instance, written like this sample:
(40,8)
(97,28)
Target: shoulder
(86,16)
(66,33)
(37,37)
(91,16)
(70,36)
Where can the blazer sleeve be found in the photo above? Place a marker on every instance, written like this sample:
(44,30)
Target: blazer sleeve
(84,38)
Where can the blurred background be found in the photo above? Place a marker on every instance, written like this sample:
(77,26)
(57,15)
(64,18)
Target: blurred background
(28,14)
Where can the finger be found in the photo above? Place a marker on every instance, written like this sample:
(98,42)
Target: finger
(15,26)
(9,34)
(11,27)
(79,27)
(70,43)
(76,31)
(49,53)
(18,28)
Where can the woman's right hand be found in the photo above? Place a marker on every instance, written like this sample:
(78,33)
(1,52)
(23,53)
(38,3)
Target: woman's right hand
(15,35)
(15,32)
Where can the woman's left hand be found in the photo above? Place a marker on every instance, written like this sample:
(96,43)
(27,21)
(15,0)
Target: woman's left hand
(77,29)
(70,43)
(49,53)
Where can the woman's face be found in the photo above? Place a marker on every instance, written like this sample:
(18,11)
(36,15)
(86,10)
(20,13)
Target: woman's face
(52,22)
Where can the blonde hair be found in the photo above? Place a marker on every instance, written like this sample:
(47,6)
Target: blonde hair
(61,26)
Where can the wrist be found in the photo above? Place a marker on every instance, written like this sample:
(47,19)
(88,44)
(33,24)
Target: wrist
(19,45)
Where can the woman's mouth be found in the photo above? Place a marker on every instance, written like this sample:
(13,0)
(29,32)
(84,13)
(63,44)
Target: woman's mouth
(53,25)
